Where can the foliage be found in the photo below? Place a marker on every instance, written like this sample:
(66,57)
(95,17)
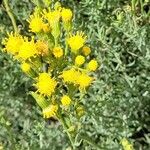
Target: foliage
(118,104)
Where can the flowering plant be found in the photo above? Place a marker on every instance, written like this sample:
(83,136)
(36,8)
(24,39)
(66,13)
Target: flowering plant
(58,60)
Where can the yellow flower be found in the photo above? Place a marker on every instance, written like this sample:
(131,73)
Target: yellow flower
(27,49)
(53,17)
(35,23)
(70,76)
(46,85)
(42,48)
(79,60)
(126,145)
(86,50)
(25,67)
(46,28)
(84,81)
(66,15)
(50,111)
(65,100)
(13,43)
(58,52)
(76,41)
(92,65)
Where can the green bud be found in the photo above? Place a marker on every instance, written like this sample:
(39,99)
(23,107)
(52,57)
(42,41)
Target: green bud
(41,101)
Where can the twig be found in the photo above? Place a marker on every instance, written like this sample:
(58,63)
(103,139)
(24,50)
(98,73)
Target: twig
(61,119)
(11,16)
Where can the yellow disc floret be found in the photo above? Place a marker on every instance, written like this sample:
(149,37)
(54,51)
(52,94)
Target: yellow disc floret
(46,85)
(65,100)
(86,50)
(79,60)
(27,49)
(57,52)
(25,67)
(92,65)
(42,48)
(76,41)
(13,43)
(50,111)
(66,15)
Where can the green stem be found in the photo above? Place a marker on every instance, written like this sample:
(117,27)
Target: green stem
(141,3)
(133,5)
(66,48)
(56,42)
(66,130)
(11,16)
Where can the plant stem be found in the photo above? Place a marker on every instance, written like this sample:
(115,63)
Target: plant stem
(89,141)
(11,16)
(66,48)
(66,130)
(56,42)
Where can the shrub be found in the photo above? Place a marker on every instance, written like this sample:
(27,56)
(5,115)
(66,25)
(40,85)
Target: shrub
(117,105)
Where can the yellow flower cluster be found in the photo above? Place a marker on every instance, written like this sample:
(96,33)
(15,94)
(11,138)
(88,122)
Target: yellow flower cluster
(23,48)
(53,63)
(77,78)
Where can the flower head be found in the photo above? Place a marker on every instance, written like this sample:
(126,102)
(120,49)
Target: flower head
(86,50)
(65,100)
(50,111)
(70,76)
(58,52)
(35,23)
(66,15)
(79,60)
(92,65)
(46,85)
(27,49)
(42,48)
(13,43)
(76,41)
(84,81)
(53,17)
(25,67)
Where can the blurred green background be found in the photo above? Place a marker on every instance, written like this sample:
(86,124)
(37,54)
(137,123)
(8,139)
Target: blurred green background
(118,104)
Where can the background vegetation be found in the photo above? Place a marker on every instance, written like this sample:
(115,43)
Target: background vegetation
(118,104)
